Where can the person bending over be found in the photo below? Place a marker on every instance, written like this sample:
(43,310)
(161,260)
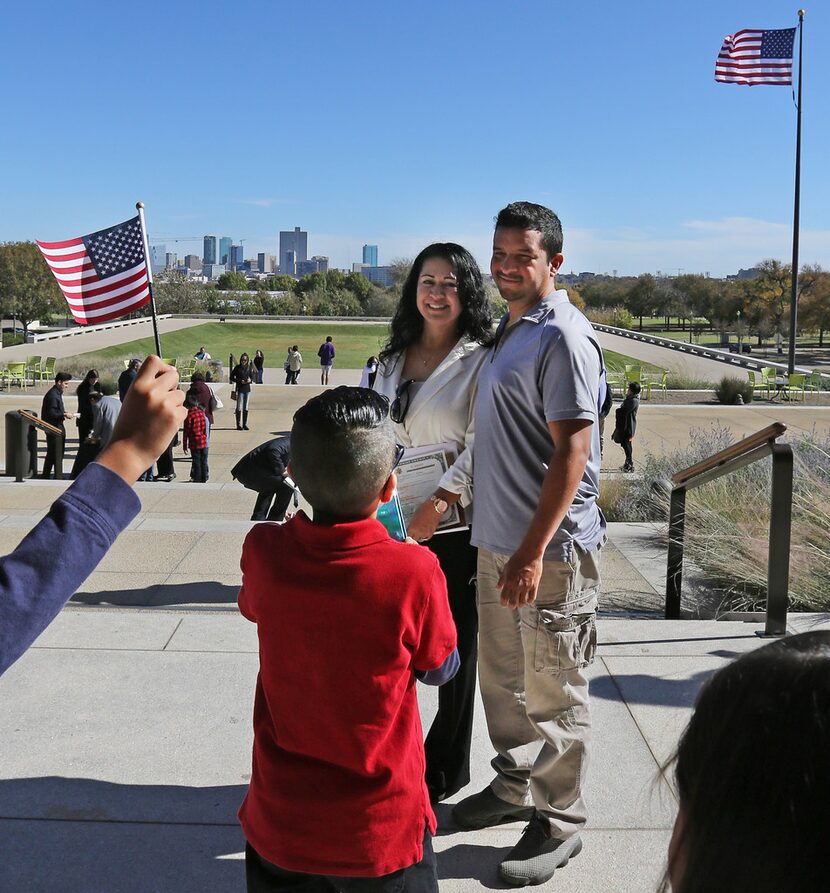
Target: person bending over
(347,618)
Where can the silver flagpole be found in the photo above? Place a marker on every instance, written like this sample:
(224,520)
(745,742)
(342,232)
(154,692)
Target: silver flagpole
(140,207)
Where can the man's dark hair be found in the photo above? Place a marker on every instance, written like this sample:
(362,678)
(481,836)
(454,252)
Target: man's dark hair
(197,376)
(342,450)
(95,396)
(328,337)
(634,387)
(63,376)
(526,215)
(134,363)
(476,320)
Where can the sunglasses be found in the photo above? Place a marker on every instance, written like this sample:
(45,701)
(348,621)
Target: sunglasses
(400,449)
(400,405)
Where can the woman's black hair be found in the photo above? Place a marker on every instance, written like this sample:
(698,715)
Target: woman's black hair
(88,382)
(753,774)
(476,320)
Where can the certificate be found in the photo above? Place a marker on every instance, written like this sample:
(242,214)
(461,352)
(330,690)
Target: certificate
(419,472)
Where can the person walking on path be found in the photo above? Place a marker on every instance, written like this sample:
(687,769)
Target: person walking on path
(429,371)
(538,532)
(195,439)
(259,365)
(626,423)
(295,363)
(53,411)
(241,378)
(326,354)
(370,372)
(85,415)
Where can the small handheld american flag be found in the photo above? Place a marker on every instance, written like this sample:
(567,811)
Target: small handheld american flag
(103,275)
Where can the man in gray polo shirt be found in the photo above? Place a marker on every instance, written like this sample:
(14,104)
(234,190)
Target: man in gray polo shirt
(538,530)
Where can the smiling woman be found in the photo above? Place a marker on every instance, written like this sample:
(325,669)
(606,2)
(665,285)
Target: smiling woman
(429,371)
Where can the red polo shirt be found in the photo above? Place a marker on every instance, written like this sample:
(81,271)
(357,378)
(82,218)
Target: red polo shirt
(344,614)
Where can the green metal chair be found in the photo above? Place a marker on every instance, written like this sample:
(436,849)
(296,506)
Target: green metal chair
(47,369)
(616,381)
(813,384)
(794,387)
(16,372)
(33,367)
(661,383)
(633,373)
(759,383)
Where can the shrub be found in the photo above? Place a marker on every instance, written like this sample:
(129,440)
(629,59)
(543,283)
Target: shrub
(618,317)
(729,389)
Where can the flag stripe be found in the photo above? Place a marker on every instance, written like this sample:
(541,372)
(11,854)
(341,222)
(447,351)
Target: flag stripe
(86,291)
(123,295)
(60,247)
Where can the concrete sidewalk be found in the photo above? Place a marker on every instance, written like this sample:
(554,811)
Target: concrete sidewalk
(126,739)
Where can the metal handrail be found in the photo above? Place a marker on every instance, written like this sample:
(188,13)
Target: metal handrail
(744,452)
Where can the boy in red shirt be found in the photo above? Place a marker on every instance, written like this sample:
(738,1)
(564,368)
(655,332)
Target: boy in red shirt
(347,617)
(194,438)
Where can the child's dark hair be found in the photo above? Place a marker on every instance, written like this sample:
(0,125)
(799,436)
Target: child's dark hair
(342,450)
(634,387)
(751,767)
(190,401)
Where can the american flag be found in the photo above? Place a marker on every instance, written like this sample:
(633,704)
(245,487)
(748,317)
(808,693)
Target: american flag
(756,57)
(102,275)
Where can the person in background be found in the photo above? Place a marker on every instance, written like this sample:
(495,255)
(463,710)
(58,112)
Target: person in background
(287,367)
(265,471)
(63,549)
(429,370)
(626,423)
(241,378)
(259,365)
(127,377)
(752,766)
(370,372)
(326,353)
(295,363)
(200,390)
(85,417)
(53,411)
(201,354)
(194,438)
(107,410)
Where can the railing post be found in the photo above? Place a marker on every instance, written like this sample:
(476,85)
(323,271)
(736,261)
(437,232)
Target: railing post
(780,522)
(674,574)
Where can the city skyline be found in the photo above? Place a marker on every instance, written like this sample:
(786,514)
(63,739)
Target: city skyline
(650,164)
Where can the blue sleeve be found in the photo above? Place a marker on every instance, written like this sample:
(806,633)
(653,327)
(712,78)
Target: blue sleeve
(59,554)
(443,674)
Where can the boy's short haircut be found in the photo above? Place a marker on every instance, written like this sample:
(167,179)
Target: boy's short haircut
(190,401)
(63,376)
(342,450)
(634,387)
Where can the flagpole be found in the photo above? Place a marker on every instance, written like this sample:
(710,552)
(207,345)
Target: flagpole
(796,209)
(140,207)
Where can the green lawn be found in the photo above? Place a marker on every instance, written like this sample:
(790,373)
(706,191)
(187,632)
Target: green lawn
(354,343)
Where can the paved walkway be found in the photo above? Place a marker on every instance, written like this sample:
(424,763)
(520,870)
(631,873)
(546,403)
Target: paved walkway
(125,733)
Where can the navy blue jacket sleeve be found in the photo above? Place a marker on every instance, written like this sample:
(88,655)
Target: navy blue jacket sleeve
(442,674)
(59,554)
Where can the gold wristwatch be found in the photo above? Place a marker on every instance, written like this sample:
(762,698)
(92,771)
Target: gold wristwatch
(440,505)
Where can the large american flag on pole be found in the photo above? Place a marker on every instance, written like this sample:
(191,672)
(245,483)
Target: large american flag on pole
(756,57)
(102,275)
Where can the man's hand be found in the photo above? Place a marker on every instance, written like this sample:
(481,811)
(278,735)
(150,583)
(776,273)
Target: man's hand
(424,522)
(149,419)
(519,581)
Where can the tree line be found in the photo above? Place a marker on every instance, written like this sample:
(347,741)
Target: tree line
(758,306)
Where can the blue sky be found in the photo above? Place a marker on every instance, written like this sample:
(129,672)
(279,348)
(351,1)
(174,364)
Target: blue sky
(399,123)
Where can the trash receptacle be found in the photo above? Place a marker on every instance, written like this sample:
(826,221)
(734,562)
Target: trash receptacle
(17,445)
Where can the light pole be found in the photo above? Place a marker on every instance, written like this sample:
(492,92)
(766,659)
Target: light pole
(740,335)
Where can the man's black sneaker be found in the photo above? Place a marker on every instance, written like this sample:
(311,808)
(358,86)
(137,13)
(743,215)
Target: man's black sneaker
(484,809)
(537,855)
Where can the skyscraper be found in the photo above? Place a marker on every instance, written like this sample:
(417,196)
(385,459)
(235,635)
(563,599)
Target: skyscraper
(237,257)
(211,250)
(370,255)
(158,255)
(265,262)
(225,249)
(295,243)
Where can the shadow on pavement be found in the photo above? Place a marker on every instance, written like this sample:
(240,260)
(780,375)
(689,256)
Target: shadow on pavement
(78,834)
(476,862)
(639,688)
(160,594)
